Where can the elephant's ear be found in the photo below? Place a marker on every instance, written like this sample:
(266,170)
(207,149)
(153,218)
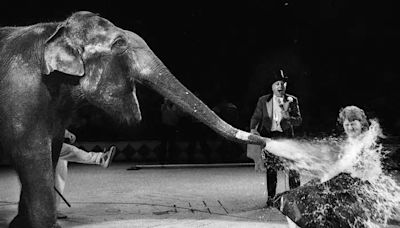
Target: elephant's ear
(60,55)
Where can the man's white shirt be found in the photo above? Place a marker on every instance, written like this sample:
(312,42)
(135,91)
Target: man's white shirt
(277,104)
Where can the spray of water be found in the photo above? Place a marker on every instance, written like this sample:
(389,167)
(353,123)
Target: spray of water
(378,196)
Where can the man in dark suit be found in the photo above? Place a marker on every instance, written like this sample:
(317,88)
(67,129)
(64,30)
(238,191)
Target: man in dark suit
(275,117)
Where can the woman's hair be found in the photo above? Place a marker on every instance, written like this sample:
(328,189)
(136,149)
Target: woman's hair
(352,113)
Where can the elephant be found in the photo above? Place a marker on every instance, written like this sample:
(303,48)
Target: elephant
(47,70)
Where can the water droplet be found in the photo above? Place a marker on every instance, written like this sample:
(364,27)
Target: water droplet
(361,158)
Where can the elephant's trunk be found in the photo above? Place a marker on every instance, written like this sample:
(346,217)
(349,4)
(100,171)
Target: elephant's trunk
(161,80)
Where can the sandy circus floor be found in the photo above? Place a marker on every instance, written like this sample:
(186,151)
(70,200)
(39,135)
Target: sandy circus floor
(156,197)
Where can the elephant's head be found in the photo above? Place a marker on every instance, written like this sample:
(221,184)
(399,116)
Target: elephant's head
(111,61)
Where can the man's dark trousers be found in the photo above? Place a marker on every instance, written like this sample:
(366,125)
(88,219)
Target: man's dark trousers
(294,176)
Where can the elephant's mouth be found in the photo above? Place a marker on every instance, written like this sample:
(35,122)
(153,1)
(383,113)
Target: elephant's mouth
(118,90)
(124,107)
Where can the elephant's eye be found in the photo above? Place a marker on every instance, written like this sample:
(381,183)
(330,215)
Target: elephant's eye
(119,44)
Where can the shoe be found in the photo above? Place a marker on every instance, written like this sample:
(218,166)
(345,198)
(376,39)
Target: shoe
(107,157)
(270,202)
(61,215)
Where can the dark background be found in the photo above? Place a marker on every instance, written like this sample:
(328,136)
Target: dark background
(335,52)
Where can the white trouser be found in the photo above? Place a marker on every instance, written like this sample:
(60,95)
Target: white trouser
(73,154)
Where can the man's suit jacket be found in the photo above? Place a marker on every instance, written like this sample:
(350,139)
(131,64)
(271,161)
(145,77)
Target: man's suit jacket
(262,116)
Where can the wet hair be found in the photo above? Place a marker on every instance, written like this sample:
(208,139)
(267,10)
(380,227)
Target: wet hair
(352,113)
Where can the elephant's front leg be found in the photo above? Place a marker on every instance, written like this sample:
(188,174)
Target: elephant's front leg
(33,161)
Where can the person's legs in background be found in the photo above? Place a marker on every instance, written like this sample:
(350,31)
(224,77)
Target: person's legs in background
(59,182)
(271,177)
(74,154)
(272,173)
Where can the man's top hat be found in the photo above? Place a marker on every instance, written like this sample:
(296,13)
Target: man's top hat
(278,75)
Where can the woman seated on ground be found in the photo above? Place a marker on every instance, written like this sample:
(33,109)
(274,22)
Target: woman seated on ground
(345,198)
(355,125)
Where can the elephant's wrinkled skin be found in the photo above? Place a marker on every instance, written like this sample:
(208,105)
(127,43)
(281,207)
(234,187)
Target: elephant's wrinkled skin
(47,70)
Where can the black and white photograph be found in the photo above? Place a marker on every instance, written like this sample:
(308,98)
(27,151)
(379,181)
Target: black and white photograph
(211,114)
